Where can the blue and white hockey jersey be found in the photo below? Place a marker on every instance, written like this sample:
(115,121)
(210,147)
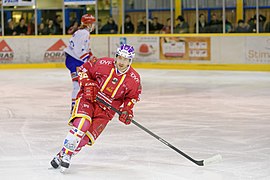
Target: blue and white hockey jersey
(79,45)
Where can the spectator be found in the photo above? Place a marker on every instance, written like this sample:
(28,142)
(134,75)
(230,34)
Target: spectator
(73,28)
(242,27)
(42,29)
(109,28)
(228,26)
(215,25)
(51,28)
(31,27)
(58,25)
(267,27)
(141,29)
(128,26)
(155,27)
(21,29)
(10,30)
(262,20)
(203,25)
(253,23)
(182,26)
(167,28)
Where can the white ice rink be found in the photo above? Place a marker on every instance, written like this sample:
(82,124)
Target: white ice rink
(203,113)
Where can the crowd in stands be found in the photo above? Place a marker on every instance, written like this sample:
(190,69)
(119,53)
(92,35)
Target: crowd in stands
(215,25)
(48,27)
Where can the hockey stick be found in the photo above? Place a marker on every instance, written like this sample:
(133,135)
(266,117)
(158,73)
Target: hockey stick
(213,159)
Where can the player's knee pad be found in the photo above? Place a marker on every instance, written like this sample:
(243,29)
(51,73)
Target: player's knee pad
(81,124)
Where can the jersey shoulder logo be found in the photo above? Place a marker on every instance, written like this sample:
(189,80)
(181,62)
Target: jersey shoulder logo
(134,76)
(105,62)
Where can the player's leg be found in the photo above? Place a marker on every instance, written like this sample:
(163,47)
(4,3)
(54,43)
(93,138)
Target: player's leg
(80,121)
(72,64)
(74,139)
(95,129)
(73,142)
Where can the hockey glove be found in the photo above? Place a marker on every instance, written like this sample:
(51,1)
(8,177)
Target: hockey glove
(93,58)
(90,89)
(126,115)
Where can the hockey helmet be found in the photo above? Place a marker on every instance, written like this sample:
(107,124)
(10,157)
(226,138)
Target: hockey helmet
(88,19)
(126,51)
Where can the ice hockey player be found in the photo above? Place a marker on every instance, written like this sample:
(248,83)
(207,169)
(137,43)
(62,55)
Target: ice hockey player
(114,81)
(78,51)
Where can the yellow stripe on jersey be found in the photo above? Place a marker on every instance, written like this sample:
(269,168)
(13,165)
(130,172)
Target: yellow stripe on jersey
(107,80)
(119,84)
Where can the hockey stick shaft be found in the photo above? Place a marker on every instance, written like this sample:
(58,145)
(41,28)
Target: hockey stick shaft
(199,163)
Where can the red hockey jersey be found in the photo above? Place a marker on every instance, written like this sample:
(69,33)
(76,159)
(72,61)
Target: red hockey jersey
(115,88)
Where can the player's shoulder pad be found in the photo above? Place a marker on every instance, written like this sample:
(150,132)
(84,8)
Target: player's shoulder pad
(134,75)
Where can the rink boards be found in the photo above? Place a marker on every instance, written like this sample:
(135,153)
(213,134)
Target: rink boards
(204,51)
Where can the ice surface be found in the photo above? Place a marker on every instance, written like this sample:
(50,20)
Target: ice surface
(203,113)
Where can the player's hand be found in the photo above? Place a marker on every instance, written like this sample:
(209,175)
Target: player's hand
(126,115)
(93,58)
(90,89)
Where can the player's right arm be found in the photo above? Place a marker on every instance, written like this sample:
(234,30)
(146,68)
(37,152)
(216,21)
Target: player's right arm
(88,85)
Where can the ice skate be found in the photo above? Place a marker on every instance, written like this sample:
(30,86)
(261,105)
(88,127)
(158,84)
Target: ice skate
(65,162)
(56,160)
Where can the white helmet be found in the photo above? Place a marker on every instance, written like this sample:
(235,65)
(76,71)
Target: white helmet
(126,51)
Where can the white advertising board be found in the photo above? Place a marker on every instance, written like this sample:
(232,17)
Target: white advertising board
(224,50)
(146,47)
(257,50)
(79,2)
(41,50)
(18,2)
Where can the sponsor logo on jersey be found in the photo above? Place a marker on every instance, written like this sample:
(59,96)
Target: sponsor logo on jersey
(110,89)
(55,53)
(85,105)
(115,80)
(105,62)
(133,75)
(6,53)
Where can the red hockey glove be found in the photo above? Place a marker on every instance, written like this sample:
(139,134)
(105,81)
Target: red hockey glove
(126,115)
(90,89)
